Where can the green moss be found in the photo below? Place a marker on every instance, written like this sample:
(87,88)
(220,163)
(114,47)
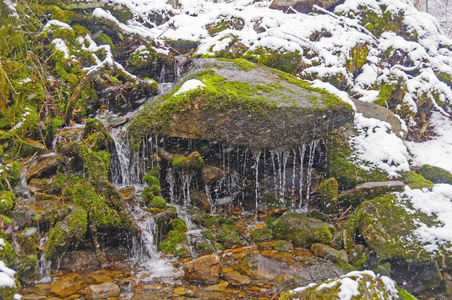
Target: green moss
(13,170)
(68,77)
(158,202)
(261,235)
(151,180)
(155,171)
(151,191)
(103,39)
(174,243)
(435,174)
(241,63)
(225,22)
(92,126)
(7,201)
(27,267)
(358,57)
(340,166)
(415,180)
(284,61)
(193,161)
(179,224)
(71,229)
(404,295)
(228,236)
(327,196)
(204,248)
(57,13)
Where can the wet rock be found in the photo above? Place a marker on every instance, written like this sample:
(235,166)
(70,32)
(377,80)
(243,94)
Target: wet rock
(368,191)
(435,174)
(235,278)
(103,291)
(277,212)
(201,200)
(424,275)
(327,196)
(204,269)
(212,173)
(302,265)
(220,287)
(326,252)
(301,230)
(363,285)
(319,215)
(43,166)
(30,213)
(302,6)
(261,235)
(127,193)
(235,122)
(67,285)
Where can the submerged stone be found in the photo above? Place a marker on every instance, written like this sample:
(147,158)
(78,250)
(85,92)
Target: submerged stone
(257,108)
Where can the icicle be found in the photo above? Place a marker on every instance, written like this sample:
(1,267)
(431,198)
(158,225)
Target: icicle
(294,165)
(256,172)
(311,163)
(285,157)
(302,151)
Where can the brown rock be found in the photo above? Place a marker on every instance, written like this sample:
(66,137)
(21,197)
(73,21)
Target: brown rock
(66,285)
(127,193)
(205,269)
(43,166)
(212,173)
(103,290)
(236,278)
(220,287)
(277,212)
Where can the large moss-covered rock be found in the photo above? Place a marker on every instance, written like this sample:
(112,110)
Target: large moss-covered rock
(237,103)
(435,174)
(301,230)
(364,285)
(388,228)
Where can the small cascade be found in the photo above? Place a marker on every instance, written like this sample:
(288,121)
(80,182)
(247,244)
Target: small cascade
(145,250)
(256,171)
(44,265)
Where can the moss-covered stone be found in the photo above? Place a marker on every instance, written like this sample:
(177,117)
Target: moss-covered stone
(228,236)
(301,230)
(289,116)
(224,22)
(151,180)
(175,243)
(368,286)
(261,235)
(284,61)
(388,228)
(7,201)
(327,196)
(415,180)
(158,202)
(435,174)
(179,224)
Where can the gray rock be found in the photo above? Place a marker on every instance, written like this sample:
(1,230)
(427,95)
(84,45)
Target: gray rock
(303,6)
(368,191)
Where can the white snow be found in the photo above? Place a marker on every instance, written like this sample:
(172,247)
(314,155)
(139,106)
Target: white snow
(57,23)
(438,151)
(377,147)
(60,45)
(437,202)
(6,276)
(189,85)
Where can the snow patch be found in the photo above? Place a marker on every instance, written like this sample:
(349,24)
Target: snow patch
(190,85)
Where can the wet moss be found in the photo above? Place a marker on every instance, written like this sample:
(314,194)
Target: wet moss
(327,196)
(158,202)
(228,236)
(57,13)
(192,161)
(151,180)
(174,243)
(150,192)
(261,235)
(71,229)
(179,224)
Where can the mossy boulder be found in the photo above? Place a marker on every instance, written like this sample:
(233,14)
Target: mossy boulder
(261,235)
(228,236)
(327,196)
(388,228)
(7,201)
(258,108)
(435,174)
(301,230)
(175,243)
(158,202)
(364,285)
(281,60)
(415,180)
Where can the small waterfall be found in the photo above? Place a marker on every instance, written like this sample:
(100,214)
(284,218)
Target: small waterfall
(44,266)
(145,251)
(256,171)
